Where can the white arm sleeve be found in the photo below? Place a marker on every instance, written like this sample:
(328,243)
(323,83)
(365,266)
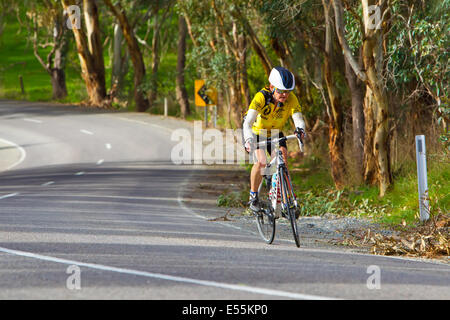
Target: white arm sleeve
(248,123)
(298,120)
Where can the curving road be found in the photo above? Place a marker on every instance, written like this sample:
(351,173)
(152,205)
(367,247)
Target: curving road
(92,208)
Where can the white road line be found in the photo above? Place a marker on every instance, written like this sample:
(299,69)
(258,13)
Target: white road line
(99,162)
(47,183)
(23,154)
(222,285)
(108,146)
(146,123)
(9,195)
(135,121)
(80,173)
(86,132)
(32,120)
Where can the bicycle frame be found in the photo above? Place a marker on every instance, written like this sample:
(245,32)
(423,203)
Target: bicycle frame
(278,160)
(266,219)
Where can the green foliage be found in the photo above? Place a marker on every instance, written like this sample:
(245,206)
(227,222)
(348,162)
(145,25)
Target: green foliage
(418,48)
(233,199)
(257,78)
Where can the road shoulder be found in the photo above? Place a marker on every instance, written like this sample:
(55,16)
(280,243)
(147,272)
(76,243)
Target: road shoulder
(11,155)
(206,187)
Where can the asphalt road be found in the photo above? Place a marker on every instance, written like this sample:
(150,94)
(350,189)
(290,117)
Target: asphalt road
(91,207)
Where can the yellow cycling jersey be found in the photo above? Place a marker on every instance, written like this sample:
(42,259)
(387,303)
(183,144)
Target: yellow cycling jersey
(271,117)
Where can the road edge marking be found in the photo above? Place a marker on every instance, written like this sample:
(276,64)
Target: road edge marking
(22,151)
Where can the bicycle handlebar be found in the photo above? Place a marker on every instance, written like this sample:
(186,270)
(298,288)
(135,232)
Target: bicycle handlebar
(278,140)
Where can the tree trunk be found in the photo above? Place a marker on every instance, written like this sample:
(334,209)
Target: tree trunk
(373,64)
(376,107)
(357,95)
(235,101)
(90,53)
(245,91)
(59,90)
(119,62)
(58,74)
(336,136)
(369,163)
(153,91)
(135,53)
(182,96)
(94,41)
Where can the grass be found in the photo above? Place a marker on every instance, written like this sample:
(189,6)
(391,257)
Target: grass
(17,59)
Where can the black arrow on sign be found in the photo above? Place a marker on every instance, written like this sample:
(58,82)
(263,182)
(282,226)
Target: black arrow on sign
(202,94)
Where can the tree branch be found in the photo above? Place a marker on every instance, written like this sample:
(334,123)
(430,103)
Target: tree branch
(357,68)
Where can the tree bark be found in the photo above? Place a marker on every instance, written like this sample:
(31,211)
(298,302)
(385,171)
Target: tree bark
(356,87)
(58,74)
(245,91)
(90,53)
(371,73)
(369,161)
(235,103)
(380,139)
(181,93)
(59,89)
(119,63)
(336,136)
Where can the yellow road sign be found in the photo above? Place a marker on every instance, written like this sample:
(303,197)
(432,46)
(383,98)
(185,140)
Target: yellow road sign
(204,96)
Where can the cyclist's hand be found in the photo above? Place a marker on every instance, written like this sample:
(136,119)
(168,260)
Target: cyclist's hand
(249,145)
(300,133)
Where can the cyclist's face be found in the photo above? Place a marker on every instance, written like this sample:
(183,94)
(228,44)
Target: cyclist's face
(281,95)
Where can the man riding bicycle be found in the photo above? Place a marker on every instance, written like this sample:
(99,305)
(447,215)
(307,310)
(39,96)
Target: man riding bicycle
(267,114)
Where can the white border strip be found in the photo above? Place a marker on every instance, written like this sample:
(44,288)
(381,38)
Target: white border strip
(254,290)
(86,132)
(9,195)
(23,154)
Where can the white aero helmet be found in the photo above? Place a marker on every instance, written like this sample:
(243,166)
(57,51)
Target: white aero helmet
(282,78)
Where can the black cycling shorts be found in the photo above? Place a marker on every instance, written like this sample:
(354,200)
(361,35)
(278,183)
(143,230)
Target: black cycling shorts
(268,145)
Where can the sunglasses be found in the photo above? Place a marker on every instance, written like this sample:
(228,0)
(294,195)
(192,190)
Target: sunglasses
(282,91)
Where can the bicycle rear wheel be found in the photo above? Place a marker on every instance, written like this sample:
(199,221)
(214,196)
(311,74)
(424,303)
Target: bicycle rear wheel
(266,225)
(288,204)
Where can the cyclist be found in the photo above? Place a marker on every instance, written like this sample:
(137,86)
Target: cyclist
(267,114)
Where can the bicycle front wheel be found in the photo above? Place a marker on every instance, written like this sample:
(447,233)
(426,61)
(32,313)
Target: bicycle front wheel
(266,226)
(288,204)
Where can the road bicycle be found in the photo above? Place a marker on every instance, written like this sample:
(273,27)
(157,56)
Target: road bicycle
(281,197)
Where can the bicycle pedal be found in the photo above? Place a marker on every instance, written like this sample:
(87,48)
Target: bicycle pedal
(257,213)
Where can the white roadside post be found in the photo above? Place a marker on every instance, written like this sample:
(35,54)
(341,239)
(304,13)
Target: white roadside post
(166,108)
(422,178)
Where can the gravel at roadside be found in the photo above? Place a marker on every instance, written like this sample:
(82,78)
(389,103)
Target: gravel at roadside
(327,231)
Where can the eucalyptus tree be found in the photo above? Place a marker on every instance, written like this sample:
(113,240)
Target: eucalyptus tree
(418,55)
(139,71)
(217,51)
(335,112)
(371,72)
(181,92)
(89,47)
(46,28)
